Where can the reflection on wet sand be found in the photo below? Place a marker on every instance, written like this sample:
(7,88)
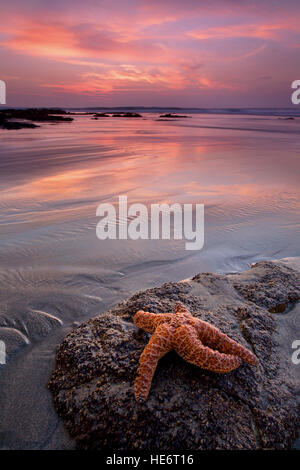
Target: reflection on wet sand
(53,267)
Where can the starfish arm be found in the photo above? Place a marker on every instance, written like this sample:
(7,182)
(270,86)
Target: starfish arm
(181,309)
(214,338)
(229,346)
(159,344)
(187,344)
(149,321)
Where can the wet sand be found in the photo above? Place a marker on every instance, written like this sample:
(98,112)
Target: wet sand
(53,269)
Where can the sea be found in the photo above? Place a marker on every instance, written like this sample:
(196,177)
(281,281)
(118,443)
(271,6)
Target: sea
(242,165)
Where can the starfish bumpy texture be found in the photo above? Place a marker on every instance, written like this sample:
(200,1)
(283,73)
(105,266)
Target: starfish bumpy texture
(196,341)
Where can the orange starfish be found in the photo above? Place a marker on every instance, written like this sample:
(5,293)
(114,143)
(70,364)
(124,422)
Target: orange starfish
(194,340)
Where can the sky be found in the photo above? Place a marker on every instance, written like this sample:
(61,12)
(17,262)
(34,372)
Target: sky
(188,53)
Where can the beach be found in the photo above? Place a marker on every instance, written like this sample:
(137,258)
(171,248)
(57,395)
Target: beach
(104,401)
(55,272)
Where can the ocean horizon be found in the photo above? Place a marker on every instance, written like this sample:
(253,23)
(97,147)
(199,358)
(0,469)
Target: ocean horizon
(292,111)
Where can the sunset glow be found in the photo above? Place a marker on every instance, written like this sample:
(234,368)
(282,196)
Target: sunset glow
(216,54)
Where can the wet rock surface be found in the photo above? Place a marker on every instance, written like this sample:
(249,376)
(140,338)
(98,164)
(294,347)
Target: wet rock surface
(188,407)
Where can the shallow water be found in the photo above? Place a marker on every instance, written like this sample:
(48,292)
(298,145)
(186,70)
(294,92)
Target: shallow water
(53,269)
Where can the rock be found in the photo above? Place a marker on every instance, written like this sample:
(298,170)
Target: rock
(127,115)
(188,407)
(172,115)
(31,114)
(15,125)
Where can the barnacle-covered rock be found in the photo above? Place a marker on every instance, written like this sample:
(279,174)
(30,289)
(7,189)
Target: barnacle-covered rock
(189,407)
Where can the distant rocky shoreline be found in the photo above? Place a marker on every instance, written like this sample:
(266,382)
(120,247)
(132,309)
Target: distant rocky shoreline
(188,407)
(9,117)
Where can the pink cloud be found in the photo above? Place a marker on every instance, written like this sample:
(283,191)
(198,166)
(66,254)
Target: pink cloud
(55,40)
(189,48)
(262,31)
(127,77)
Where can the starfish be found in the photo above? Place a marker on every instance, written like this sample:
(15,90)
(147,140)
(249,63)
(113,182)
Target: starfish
(196,341)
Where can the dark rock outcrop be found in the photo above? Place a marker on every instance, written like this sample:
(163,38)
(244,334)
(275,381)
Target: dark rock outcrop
(31,114)
(15,125)
(188,407)
(172,115)
(127,115)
